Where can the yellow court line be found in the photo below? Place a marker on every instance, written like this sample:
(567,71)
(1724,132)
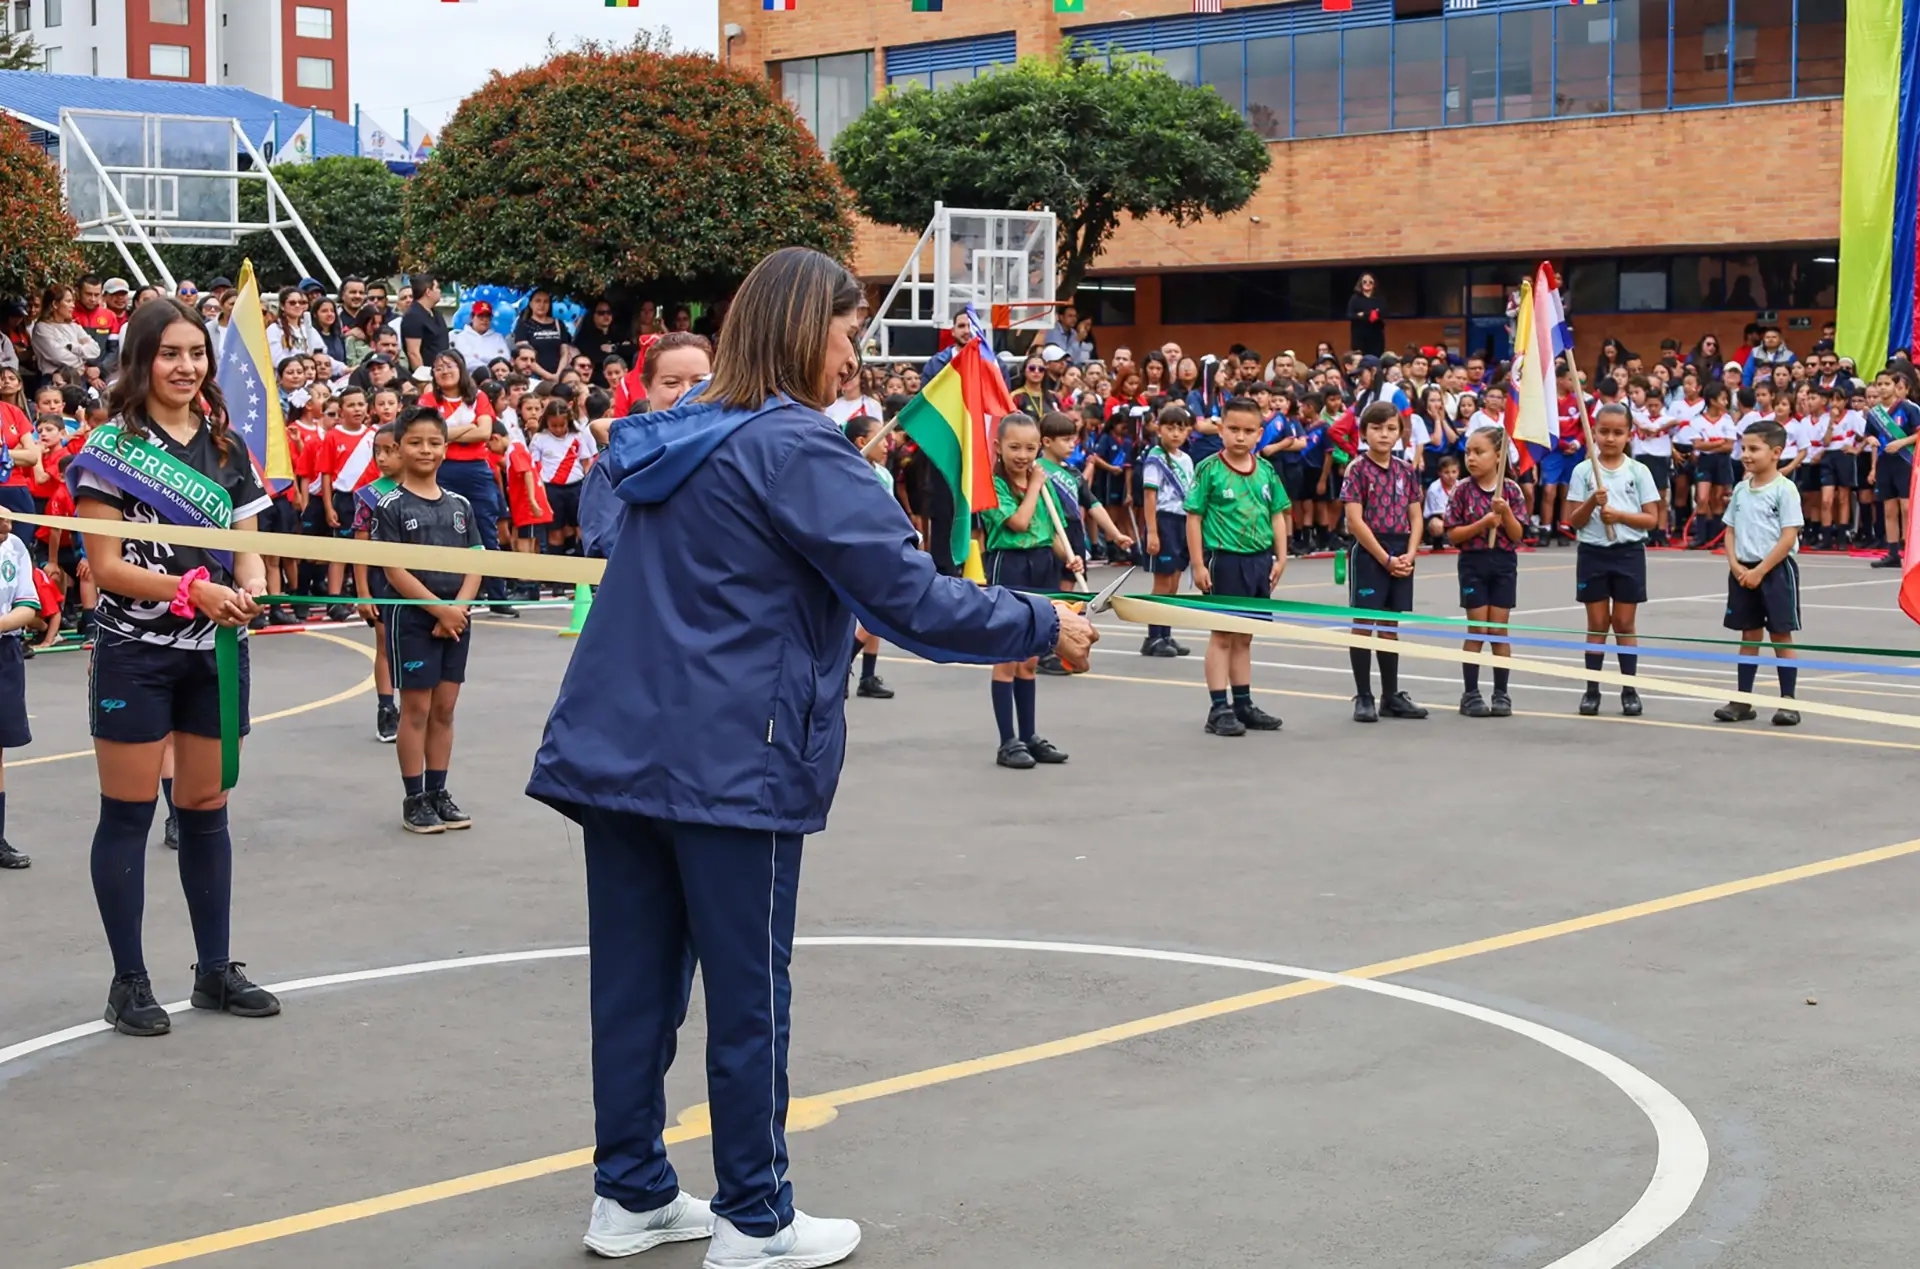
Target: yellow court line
(363,686)
(691,1128)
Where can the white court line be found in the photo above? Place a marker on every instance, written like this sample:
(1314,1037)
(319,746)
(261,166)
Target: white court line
(1680,1161)
(1717,594)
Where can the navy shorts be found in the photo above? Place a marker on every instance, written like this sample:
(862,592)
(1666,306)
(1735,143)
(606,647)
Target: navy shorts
(280,517)
(138,693)
(1033,568)
(1660,467)
(1773,605)
(418,658)
(1894,479)
(565,501)
(1299,482)
(1371,585)
(14,732)
(1241,575)
(1839,470)
(1489,578)
(1714,469)
(1807,476)
(1172,559)
(1683,461)
(1617,573)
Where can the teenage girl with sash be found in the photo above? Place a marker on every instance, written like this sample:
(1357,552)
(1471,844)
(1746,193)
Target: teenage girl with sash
(166,455)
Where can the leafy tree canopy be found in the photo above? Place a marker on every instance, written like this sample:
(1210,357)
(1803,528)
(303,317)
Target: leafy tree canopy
(1090,141)
(17,52)
(608,170)
(37,247)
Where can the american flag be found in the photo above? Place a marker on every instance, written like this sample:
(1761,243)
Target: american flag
(1206,6)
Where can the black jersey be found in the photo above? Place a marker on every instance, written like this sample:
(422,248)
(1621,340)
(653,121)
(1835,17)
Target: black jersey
(404,516)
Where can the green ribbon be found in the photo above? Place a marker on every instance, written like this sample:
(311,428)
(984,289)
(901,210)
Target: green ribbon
(226,660)
(320,601)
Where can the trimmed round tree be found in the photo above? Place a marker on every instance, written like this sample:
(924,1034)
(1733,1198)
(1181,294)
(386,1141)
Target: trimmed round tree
(37,247)
(613,171)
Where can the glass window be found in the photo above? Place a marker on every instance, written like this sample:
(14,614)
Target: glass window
(1443,287)
(1822,47)
(1310,296)
(1643,284)
(1108,301)
(1179,62)
(1191,299)
(1763,50)
(1397,287)
(314,72)
(1316,84)
(907,81)
(1640,54)
(1700,52)
(168,12)
(169,61)
(1583,37)
(1366,58)
(1747,288)
(1698,283)
(1270,85)
(828,93)
(310,22)
(1489,286)
(1417,74)
(1220,68)
(1593,286)
(53,13)
(951,75)
(1526,64)
(1471,43)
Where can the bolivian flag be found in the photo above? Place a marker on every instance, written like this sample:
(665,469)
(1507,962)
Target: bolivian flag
(950,419)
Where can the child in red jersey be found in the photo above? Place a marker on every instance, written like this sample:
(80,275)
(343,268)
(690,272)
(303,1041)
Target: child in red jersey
(527,504)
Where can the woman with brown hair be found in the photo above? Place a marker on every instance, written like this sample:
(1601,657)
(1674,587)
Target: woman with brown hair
(699,733)
(154,675)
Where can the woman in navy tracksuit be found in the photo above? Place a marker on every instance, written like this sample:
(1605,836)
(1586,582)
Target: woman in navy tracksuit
(699,733)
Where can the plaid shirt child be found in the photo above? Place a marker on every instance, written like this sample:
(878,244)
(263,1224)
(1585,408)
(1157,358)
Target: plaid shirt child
(1384,493)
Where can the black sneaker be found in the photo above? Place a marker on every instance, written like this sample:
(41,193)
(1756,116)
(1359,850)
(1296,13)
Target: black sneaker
(1630,703)
(503,610)
(1473,705)
(1179,649)
(171,836)
(386,723)
(1221,721)
(300,612)
(1045,751)
(1786,718)
(1890,560)
(259,621)
(1364,710)
(1158,648)
(227,990)
(1736,712)
(1254,717)
(1015,754)
(1590,701)
(1502,706)
(1400,705)
(1051,664)
(281,615)
(448,810)
(339,612)
(875,688)
(132,1009)
(417,814)
(11,858)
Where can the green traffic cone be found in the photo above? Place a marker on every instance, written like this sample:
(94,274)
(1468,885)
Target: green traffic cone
(582,604)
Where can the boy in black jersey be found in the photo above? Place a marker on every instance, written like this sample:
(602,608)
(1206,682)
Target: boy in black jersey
(427,643)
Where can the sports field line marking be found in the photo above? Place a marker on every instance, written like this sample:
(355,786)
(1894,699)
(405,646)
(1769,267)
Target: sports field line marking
(1715,594)
(363,686)
(416,1196)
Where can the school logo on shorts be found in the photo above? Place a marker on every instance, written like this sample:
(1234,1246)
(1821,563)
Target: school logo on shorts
(411,665)
(459,522)
(1366,590)
(110,705)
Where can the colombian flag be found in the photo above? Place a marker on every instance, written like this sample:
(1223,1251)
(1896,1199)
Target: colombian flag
(247,380)
(950,419)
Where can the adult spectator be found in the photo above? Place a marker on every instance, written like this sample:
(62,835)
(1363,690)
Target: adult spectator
(118,297)
(331,331)
(353,298)
(478,342)
(526,363)
(402,301)
(1367,328)
(682,320)
(1065,335)
(288,333)
(960,332)
(423,332)
(222,287)
(597,340)
(852,403)
(552,343)
(377,297)
(1773,351)
(91,311)
(16,349)
(1083,331)
(59,342)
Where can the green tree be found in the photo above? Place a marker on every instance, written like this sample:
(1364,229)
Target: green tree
(608,171)
(1091,142)
(37,247)
(17,52)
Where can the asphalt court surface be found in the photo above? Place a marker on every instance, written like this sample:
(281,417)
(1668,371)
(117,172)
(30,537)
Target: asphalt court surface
(1332,1128)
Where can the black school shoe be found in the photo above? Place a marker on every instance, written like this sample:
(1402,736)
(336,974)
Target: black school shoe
(1630,703)
(417,814)
(11,858)
(1736,712)
(1158,648)
(170,838)
(1042,750)
(1400,705)
(1179,649)
(1254,717)
(1015,755)
(227,990)
(339,612)
(1890,560)
(1364,710)
(1221,721)
(1502,706)
(1473,705)
(1590,701)
(1049,664)
(1786,718)
(448,810)
(875,688)
(132,1009)
(281,615)
(386,723)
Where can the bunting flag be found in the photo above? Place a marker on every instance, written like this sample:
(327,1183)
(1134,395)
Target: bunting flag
(928,6)
(623,4)
(247,381)
(777,6)
(1879,133)
(950,419)
(1069,6)
(1206,6)
(1336,6)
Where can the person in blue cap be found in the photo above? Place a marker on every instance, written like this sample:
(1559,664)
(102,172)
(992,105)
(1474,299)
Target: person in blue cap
(699,733)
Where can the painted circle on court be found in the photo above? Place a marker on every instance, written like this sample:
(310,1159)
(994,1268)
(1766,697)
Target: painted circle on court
(1680,1164)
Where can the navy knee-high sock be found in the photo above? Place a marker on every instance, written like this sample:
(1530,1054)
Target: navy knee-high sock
(1746,672)
(1595,660)
(119,866)
(206,875)
(1389,673)
(1789,677)
(166,794)
(1003,709)
(1025,706)
(1362,670)
(1629,662)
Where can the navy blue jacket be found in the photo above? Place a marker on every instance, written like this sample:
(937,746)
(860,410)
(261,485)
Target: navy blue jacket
(707,684)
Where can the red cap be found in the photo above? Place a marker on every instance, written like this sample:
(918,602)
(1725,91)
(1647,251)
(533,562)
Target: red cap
(481,306)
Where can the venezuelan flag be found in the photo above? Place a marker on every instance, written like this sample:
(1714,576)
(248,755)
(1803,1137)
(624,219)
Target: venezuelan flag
(1879,181)
(949,420)
(247,380)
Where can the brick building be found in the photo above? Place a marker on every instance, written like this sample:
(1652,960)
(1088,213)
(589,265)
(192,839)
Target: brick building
(1692,150)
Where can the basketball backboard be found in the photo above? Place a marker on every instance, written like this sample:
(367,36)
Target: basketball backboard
(176,174)
(999,263)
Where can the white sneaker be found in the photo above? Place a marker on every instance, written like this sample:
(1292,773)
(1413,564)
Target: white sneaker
(613,1231)
(808,1243)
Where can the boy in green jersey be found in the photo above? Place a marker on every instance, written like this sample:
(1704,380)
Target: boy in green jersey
(1235,513)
